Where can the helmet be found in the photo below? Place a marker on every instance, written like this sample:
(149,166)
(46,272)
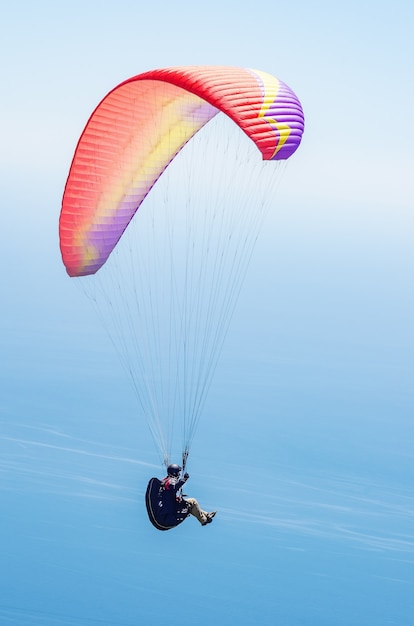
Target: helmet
(174,470)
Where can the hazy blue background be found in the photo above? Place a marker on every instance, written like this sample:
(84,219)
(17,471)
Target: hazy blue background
(306,447)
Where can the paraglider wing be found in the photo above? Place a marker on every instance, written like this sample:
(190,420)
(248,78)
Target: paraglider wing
(140,126)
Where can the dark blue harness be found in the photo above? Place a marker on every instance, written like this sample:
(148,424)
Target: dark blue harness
(164,511)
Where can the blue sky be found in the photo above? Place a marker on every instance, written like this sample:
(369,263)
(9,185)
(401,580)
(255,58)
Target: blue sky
(306,446)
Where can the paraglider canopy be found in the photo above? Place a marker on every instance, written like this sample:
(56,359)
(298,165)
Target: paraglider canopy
(137,130)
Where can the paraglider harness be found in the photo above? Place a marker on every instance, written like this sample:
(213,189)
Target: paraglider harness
(158,503)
